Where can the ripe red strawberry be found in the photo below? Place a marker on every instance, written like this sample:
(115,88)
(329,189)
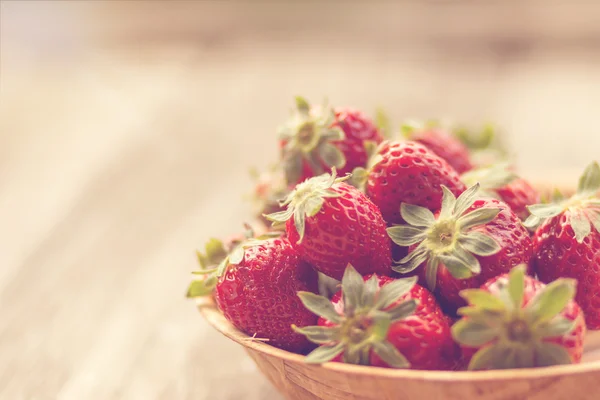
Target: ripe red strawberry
(255,287)
(407,172)
(467,242)
(442,142)
(500,182)
(382,322)
(515,321)
(316,139)
(518,195)
(331,224)
(567,242)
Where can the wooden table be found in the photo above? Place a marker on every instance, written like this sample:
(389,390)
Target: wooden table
(118,160)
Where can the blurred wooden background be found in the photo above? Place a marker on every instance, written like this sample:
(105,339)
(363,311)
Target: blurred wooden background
(127,127)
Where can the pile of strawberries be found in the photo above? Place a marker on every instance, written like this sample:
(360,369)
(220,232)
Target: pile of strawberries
(410,252)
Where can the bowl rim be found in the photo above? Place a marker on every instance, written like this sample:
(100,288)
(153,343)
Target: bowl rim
(211,313)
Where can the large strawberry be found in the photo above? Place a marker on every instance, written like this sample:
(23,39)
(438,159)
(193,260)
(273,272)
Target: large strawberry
(255,287)
(500,182)
(316,139)
(331,224)
(442,142)
(567,242)
(379,321)
(406,172)
(469,241)
(515,321)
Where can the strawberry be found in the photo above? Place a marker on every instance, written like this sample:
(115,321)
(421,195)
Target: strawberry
(379,321)
(316,139)
(567,242)
(331,224)
(442,142)
(500,182)
(406,172)
(255,287)
(270,187)
(469,241)
(515,321)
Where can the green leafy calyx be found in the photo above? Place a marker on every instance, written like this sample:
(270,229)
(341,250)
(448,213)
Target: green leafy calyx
(383,122)
(510,333)
(410,128)
(582,209)
(360,175)
(306,200)
(486,144)
(451,239)
(309,136)
(480,139)
(490,178)
(362,325)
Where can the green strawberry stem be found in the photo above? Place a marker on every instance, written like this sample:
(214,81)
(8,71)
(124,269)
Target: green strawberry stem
(383,122)
(211,262)
(478,140)
(449,239)
(409,128)
(306,200)
(360,175)
(511,335)
(308,137)
(216,258)
(363,324)
(490,177)
(583,206)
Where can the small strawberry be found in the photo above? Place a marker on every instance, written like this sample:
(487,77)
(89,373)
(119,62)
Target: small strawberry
(406,172)
(467,242)
(442,142)
(379,321)
(515,321)
(567,242)
(500,182)
(316,139)
(270,187)
(331,224)
(255,287)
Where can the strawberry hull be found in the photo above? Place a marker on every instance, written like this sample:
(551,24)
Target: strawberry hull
(423,338)
(515,248)
(312,153)
(572,341)
(501,181)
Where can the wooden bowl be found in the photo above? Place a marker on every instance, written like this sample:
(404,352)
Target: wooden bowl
(297,380)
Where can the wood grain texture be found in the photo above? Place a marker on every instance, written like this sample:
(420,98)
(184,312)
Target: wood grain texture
(335,381)
(126,130)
